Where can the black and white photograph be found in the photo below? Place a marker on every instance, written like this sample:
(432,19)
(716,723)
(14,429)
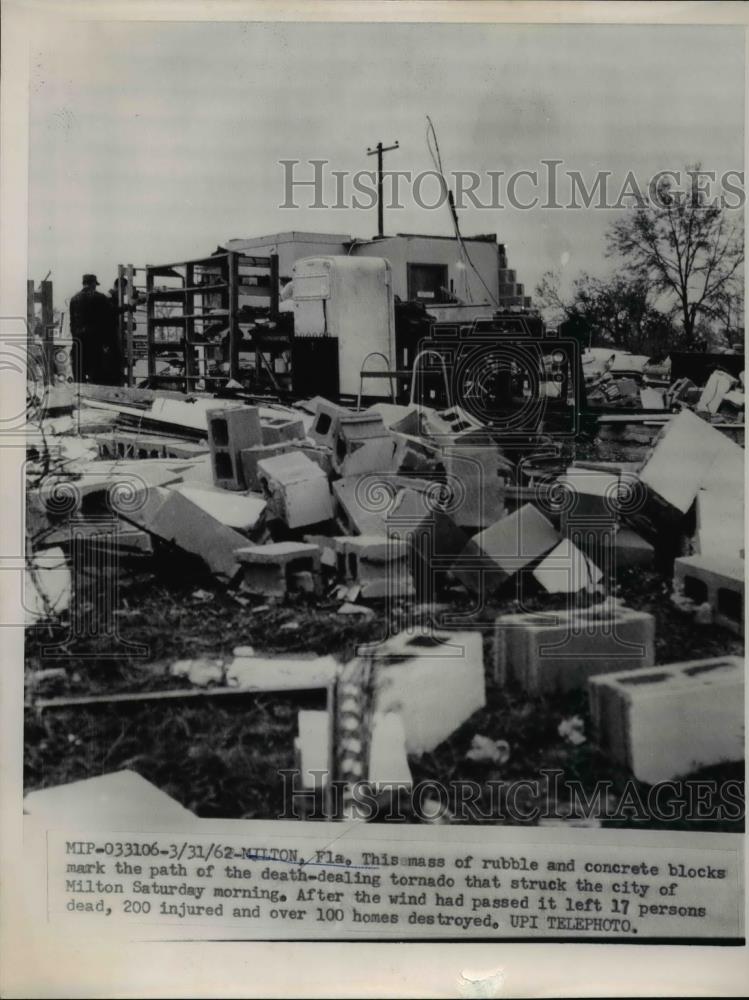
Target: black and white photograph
(381,479)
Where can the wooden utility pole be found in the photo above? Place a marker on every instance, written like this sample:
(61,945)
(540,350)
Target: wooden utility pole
(379,150)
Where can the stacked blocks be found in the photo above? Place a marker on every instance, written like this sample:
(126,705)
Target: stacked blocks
(229,432)
(667,721)
(560,650)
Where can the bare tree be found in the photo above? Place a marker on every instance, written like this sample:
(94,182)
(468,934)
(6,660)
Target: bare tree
(687,248)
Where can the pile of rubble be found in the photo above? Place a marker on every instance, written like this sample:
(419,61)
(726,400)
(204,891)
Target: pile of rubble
(404,504)
(619,380)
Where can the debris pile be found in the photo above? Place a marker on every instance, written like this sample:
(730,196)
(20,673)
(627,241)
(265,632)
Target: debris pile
(356,511)
(622,381)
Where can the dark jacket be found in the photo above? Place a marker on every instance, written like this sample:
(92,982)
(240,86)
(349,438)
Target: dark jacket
(97,355)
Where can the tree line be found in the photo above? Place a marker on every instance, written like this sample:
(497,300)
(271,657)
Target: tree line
(676,281)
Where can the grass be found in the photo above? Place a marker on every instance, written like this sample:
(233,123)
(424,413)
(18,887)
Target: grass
(220,758)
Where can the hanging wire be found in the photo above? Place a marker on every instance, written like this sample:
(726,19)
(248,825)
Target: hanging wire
(434,152)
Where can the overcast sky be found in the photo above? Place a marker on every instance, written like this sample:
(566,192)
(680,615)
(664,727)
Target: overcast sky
(155,142)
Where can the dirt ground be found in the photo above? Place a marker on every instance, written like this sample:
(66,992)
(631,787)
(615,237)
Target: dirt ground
(221,757)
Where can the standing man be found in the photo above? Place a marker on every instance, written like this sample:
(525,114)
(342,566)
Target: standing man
(93,326)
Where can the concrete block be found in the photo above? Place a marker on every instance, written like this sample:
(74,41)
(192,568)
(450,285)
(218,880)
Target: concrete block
(402,419)
(632,550)
(229,432)
(363,510)
(388,763)
(717,580)
(592,496)
(494,555)
(313,747)
(278,429)
(270,570)
(122,797)
(325,425)
(719,524)
(413,454)
(233,509)
(296,489)
(176,519)
(450,423)
(690,455)
(378,564)
(667,721)
(435,681)
(318,454)
(251,456)
(559,650)
(474,473)
(362,444)
(435,542)
(567,570)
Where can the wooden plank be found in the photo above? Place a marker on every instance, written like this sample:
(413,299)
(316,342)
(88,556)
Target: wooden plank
(140,697)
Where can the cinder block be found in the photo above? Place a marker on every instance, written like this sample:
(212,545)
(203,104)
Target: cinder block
(592,497)
(318,454)
(474,473)
(272,570)
(235,510)
(632,550)
(559,650)
(717,580)
(402,419)
(413,454)
(251,456)
(719,523)
(435,681)
(435,542)
(279,429)
(362,509)
(690,455)
(378,564)
(667,721)
(567,570)
(362,444)
(229,432)
(296,488)
(325,425)
(494,555)
(176,519)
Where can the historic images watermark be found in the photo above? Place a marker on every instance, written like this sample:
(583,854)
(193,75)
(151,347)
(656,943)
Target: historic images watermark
(549,185)
(548,797)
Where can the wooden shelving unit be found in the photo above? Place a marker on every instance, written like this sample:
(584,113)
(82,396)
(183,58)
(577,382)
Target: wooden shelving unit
(193,311)
(131,319)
